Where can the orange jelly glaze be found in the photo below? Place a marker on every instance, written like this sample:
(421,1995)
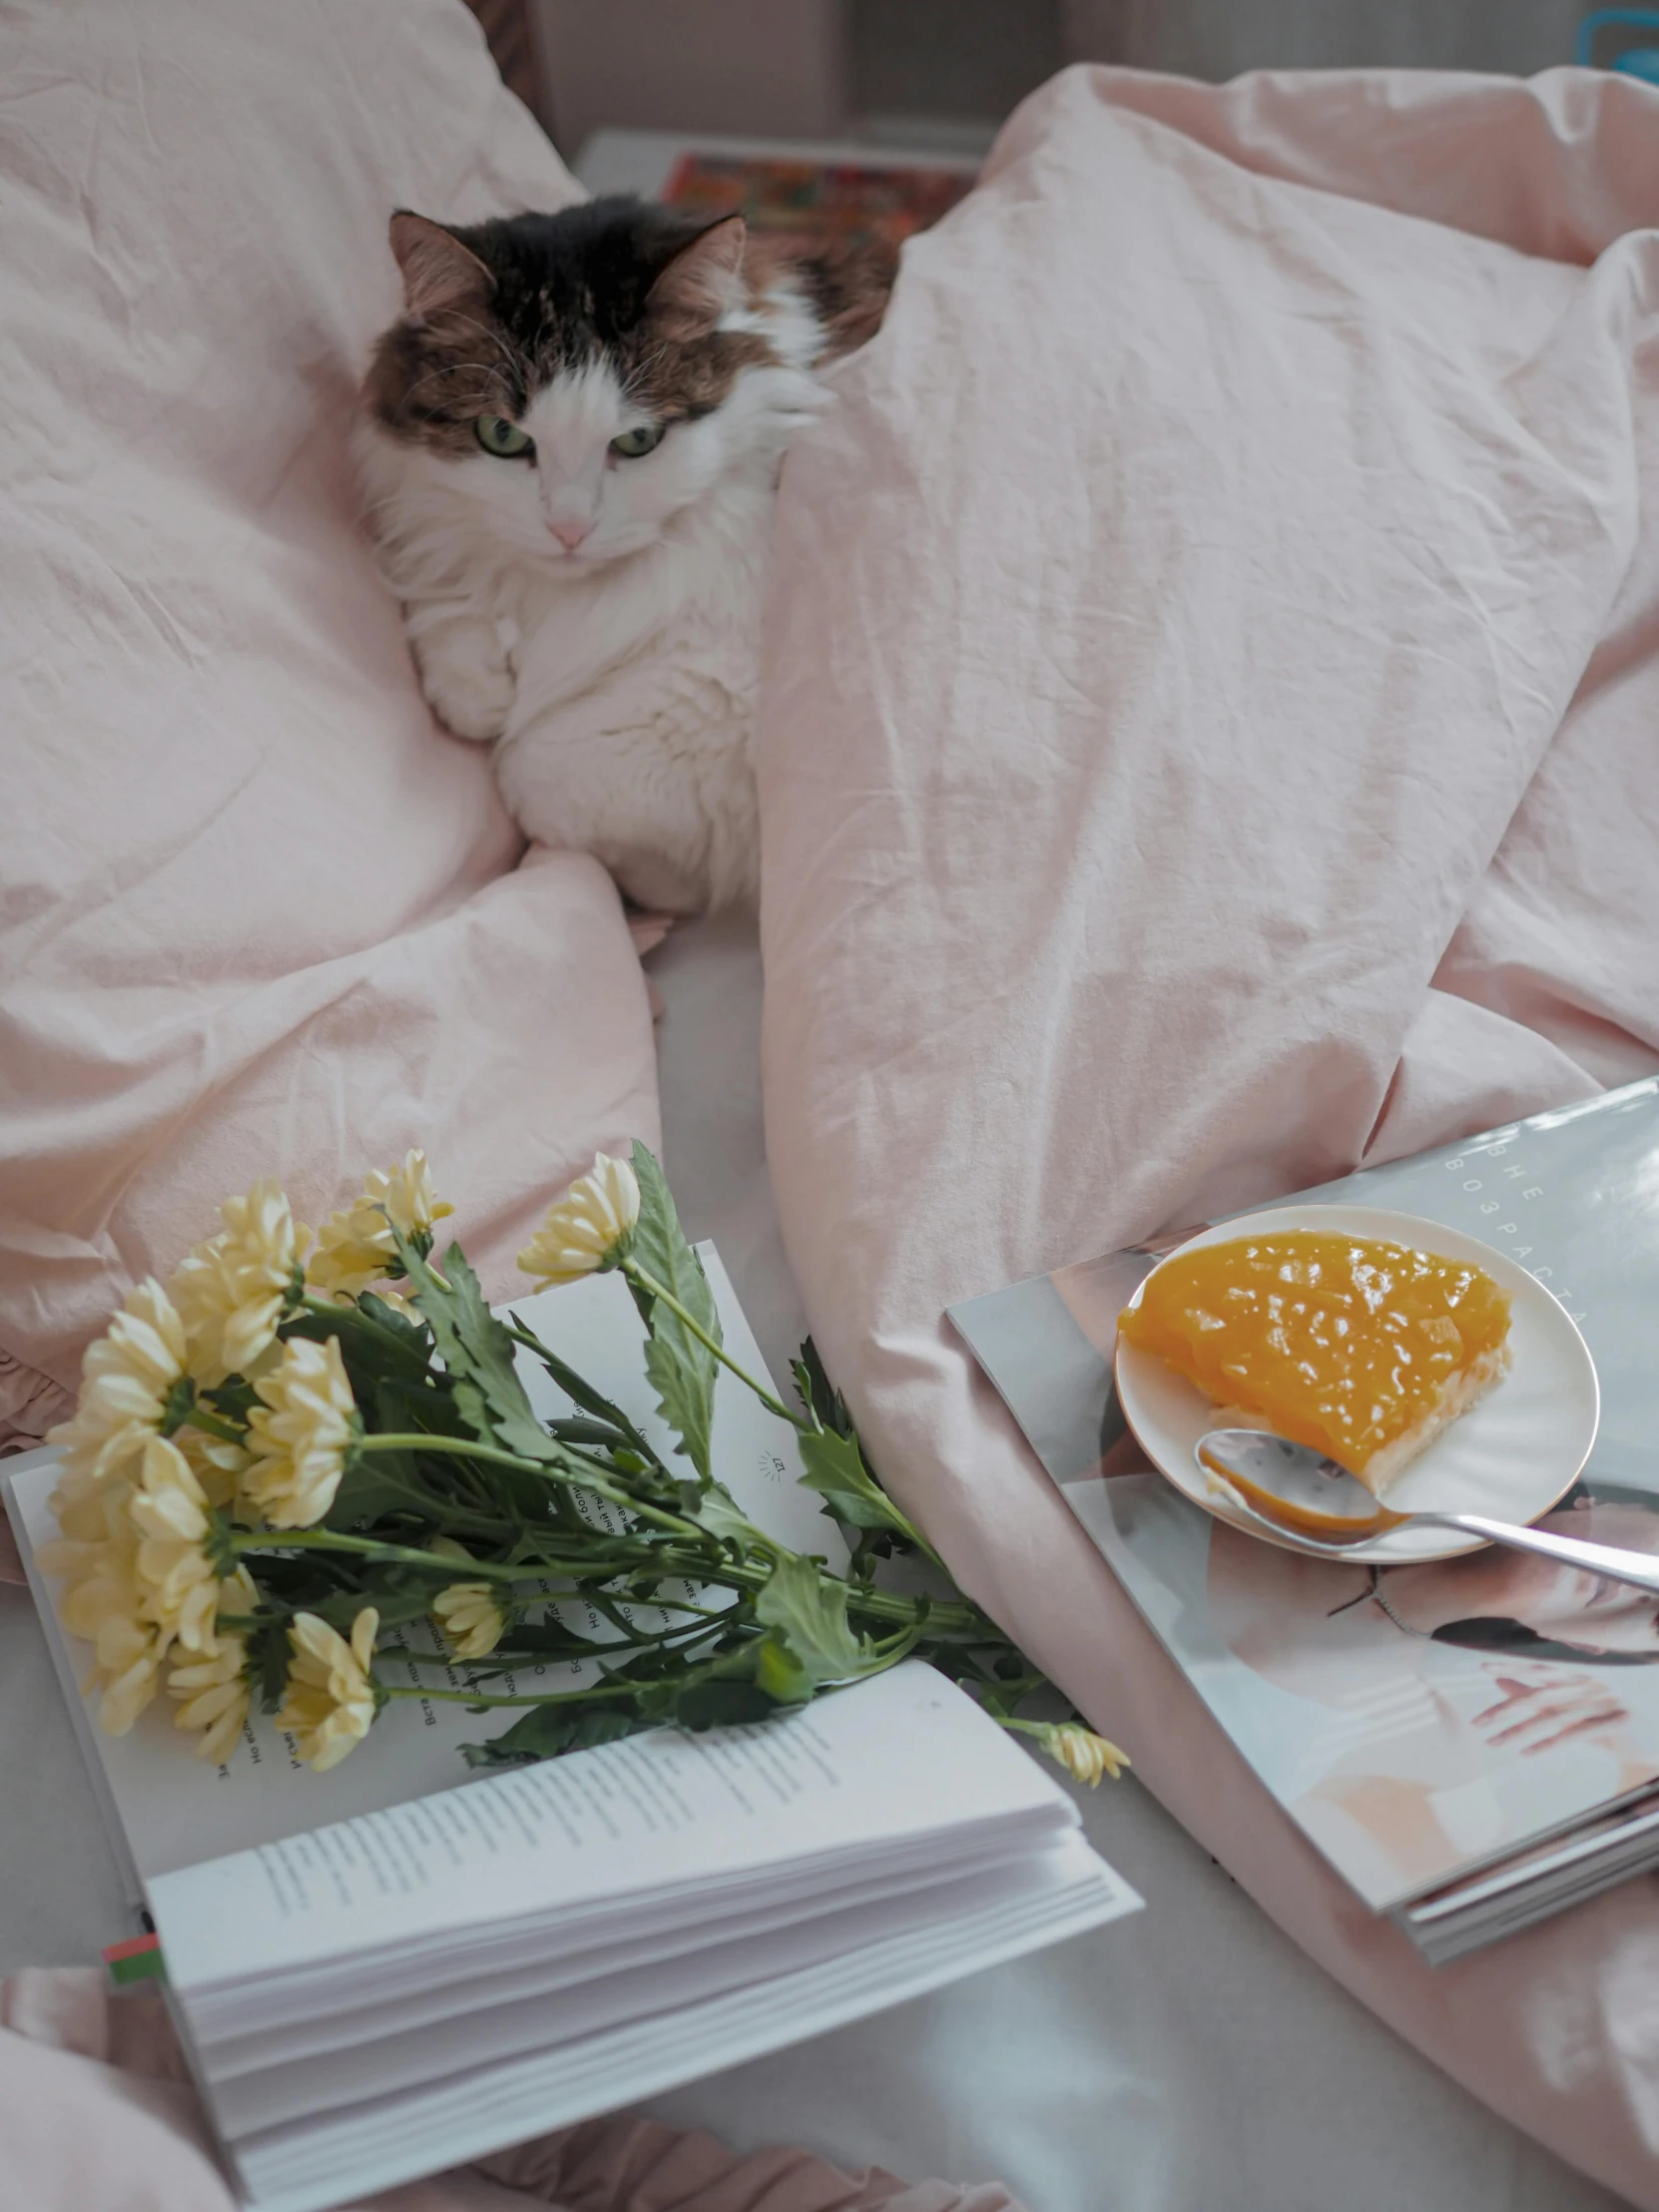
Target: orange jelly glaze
(1338,1341)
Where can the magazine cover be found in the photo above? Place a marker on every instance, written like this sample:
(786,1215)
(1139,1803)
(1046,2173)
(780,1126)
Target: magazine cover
(1418,1721)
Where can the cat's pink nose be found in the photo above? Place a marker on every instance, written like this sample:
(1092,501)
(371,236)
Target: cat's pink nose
(571,534)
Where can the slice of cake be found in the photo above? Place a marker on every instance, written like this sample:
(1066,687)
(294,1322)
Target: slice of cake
(1364,1349)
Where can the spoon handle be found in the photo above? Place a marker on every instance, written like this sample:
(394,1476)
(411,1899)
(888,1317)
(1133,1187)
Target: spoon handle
(1639,1568)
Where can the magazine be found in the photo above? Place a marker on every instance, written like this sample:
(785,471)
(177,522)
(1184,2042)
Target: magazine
(405,1965)
(1471,1742)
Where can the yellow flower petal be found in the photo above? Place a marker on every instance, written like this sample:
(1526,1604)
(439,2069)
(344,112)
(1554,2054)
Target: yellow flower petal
(231,1290)
(332,1699)
(101,1602)
(300,1434)
(470,1619)
(406,1194)
(590,1228)
(125,1378)
(355,1248)
(178,1582)
(215,1697)
(215,1462)
(1084,1754)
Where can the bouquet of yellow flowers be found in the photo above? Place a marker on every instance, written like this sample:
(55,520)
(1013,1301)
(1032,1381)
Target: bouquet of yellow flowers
(301,1443)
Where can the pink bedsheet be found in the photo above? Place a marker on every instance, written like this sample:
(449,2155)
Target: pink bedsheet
(1210,737)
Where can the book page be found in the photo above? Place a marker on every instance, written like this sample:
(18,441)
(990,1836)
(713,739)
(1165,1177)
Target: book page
(173,1809)
(1063,1892)
(904,1755)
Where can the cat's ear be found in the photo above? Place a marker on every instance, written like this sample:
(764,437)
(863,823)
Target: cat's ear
(703,282)
(439,273)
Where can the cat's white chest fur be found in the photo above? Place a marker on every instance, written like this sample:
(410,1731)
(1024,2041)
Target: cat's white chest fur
(629,734)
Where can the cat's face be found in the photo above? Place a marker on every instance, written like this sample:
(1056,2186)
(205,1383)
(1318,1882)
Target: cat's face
(571,382)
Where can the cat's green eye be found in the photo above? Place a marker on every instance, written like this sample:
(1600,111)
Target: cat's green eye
(633,445)
(504,438)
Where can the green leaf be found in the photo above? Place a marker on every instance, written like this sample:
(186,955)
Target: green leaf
(547,1730)
(394,1323)
(716,1510)
(268,1659)
(574,1430)
(808,1614)
(582,1392)
(233,1397)
(478,1354)
(370,1491)
(682,1372)
(835,1467)
(817,1395)
(680,1368)
(375,1341)
(716,1704)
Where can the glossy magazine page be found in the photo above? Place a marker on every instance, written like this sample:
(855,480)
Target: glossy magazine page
(1417,1721)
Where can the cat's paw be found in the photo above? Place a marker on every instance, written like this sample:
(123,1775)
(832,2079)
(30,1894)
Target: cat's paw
(468,675)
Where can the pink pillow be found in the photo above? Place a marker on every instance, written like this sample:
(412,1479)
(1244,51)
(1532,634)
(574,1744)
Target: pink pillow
(259,913)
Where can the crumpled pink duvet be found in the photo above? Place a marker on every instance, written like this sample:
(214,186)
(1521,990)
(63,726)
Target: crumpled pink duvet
(1210,737)
(97,2115)
(259,913)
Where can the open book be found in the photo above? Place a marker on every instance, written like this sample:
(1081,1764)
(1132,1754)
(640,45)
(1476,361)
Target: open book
(1471,1742)
(399,1965)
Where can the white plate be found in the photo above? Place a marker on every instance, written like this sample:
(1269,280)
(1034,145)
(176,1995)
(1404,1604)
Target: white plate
(1513,1457)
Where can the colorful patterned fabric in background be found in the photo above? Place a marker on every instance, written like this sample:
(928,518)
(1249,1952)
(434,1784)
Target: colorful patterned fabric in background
(812,200)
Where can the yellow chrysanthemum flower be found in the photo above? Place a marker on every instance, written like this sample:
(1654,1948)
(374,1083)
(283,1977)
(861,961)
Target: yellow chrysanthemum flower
(178,1582)
(332,1700)
(1084,1754)
(102,1602)
(470,1619)
(470,1616)
(355,1248)
(590,1228)
(213,1695)
(125,1378)
(231,1290)
(301,1434)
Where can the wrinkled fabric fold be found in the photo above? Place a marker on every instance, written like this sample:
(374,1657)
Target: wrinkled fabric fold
(1206,741)
(259,914)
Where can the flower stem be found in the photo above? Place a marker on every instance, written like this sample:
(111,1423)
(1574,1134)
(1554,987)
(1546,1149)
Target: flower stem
(506,1656)
(653,1289)
(463,1447)
(403,1555)
(479,1697)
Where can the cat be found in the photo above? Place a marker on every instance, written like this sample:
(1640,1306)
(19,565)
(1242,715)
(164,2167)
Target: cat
(570,444)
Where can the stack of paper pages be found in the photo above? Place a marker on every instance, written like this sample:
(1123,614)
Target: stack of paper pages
(394,1967)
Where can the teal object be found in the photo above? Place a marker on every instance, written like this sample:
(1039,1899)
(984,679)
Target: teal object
(1635,61)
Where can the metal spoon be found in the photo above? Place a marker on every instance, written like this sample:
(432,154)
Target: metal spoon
(1297,1493)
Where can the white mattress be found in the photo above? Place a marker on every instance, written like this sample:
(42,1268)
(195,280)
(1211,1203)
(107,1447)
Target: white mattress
(1187,2061)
